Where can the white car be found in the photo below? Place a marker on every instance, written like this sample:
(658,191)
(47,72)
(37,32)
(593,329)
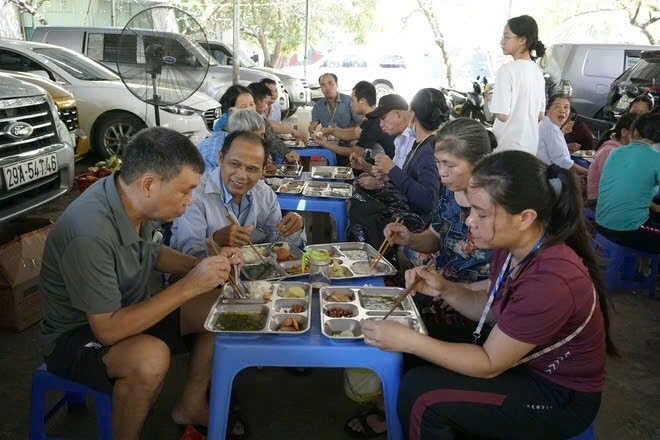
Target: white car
(389,73)
(107,110)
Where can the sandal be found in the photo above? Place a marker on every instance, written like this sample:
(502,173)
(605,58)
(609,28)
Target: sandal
(200,432)
(367,431)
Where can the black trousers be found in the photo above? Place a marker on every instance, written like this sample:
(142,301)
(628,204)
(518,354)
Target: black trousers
(437,404)
(646,238)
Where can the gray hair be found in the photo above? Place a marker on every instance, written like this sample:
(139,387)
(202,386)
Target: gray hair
(245,119)
(464,138)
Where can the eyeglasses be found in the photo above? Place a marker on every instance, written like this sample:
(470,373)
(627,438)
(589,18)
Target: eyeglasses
(508,37)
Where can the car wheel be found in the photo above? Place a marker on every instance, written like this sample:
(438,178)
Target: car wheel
(114,132)
(382,89)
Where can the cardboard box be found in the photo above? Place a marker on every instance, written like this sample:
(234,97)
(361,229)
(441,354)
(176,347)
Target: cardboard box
(20,264)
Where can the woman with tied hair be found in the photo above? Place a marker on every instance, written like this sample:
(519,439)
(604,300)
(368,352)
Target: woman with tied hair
(246,119)
(519,97)
(418,179)
(459,145)
(628,211)
(535,365)
(619,136)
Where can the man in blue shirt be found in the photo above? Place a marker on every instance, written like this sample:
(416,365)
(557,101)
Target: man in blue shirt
(334,109)
(232,205)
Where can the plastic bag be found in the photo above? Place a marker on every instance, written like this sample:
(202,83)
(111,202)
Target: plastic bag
(370,211)
(362,385)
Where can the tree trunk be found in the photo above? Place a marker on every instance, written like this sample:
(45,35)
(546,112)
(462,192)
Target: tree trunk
(263,42)
(427,9)
(445,59)
(277,53)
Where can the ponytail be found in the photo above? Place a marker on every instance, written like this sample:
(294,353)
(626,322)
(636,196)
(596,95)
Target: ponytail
(567,224)
(625,121)
(525,26)
(517,181)
(539,50)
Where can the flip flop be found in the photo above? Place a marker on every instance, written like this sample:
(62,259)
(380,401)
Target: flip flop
(366,432)
(201,432)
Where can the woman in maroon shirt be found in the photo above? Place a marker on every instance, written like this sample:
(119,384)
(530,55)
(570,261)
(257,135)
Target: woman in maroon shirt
(538,373)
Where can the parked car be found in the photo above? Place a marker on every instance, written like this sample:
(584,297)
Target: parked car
(388,73)
(586,71)
(67,107)
(640,79)
(100,44)
(107,110)
(36,166)
(296,87)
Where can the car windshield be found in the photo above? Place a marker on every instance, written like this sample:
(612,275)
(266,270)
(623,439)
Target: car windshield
(76,65)
(203,52)
(645,71)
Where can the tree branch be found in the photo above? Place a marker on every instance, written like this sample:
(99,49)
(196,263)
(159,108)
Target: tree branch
(633,18)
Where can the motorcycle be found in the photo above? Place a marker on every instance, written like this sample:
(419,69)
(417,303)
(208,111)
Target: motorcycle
(473,104)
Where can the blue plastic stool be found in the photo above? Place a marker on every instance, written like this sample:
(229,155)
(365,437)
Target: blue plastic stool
(329,155)
(589,214)
(334,207)
(234,353)
(586,435)
(74,394)
(620,268)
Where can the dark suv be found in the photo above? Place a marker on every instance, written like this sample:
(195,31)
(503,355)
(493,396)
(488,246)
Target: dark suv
(642,78)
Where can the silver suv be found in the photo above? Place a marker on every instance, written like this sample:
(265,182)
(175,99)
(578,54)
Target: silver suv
(101,44)
(586,71)
(35,164)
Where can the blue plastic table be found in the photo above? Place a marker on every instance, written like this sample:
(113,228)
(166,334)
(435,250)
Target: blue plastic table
(334,207)
(233,353)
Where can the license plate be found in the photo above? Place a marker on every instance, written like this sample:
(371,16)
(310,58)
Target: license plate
(25,172)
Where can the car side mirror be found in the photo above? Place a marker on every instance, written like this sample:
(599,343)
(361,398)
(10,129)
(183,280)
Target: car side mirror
(230,61)
(41,73)
(191,60)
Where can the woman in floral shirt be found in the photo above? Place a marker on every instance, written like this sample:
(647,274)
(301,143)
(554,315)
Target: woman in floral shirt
(458,147)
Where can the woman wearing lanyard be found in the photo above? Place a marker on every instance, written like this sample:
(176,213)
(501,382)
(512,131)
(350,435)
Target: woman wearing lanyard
(540,370)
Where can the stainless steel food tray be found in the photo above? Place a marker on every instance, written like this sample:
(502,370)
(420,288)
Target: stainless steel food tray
(365,303)
(334,173)
(249,258)
(286,171)
(328,190)
(285,185)
(292,143)
(353,258)
(273,313)
(253,268)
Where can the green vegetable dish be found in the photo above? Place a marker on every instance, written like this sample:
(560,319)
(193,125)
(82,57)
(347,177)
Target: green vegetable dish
(379,302)
(241,321)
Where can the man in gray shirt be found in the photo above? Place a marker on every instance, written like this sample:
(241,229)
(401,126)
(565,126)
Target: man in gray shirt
(101,327)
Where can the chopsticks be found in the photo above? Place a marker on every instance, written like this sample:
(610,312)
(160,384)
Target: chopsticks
(408,291)
(384,248)
(233,221)
(233,274)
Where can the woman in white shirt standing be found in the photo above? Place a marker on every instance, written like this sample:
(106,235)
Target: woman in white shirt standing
(519,97)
